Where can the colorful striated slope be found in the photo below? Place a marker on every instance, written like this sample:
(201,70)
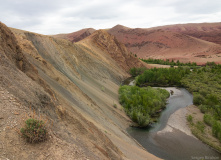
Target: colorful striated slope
(72,85)
(165,44)
(103,42)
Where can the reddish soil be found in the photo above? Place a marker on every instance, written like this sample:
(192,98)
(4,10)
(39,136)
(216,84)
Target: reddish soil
(172,43)
(206,31)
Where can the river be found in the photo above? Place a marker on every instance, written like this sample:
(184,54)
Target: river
(173,144)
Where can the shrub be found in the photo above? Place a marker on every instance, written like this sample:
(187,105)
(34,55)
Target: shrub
(136,71)
(216,129)
(203,92)
(200,126)
(198,99)
(190,118)
(208,119)
(34,130)
(212,100)
(203,108)
(102,89)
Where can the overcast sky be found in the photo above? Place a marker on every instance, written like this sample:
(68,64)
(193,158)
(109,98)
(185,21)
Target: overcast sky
(66,16)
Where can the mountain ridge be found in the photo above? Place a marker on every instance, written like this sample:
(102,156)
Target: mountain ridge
(161,43)
(195,42)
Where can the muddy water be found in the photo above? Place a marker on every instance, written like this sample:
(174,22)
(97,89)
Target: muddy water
(174,145)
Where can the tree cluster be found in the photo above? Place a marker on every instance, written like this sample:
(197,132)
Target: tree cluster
(142,104)
(162,77)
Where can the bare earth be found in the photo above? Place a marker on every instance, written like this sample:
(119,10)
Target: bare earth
(177,121)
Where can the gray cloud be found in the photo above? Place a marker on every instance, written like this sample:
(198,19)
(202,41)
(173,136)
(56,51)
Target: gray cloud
(197,7)
(56,16)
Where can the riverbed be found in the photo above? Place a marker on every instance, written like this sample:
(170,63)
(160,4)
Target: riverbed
(171,138)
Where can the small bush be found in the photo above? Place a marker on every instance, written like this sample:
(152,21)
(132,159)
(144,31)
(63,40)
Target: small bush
(203,108)
(200,126)
(208,119)
(34,130)
(198,99)
(115,106)
(190,118)
(216,129)
(102,89)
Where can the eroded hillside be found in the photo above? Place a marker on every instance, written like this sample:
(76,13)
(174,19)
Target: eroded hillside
(171,43)
(206,31)
(73,85)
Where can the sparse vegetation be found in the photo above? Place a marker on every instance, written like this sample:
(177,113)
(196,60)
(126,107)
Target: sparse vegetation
(102,89)
(142,105)
(34,130)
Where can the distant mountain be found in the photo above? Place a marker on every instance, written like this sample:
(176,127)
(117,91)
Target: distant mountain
(183,42)
(206,31)
(76,36)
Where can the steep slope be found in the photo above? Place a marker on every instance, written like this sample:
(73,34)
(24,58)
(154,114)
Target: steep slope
(73,85)
(76,36)
(73,137)
(165,44)
(206,31)
(15,64)
(101,41)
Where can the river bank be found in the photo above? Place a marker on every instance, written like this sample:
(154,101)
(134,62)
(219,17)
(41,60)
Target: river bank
(177,121)
(171,138)
(206,136)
